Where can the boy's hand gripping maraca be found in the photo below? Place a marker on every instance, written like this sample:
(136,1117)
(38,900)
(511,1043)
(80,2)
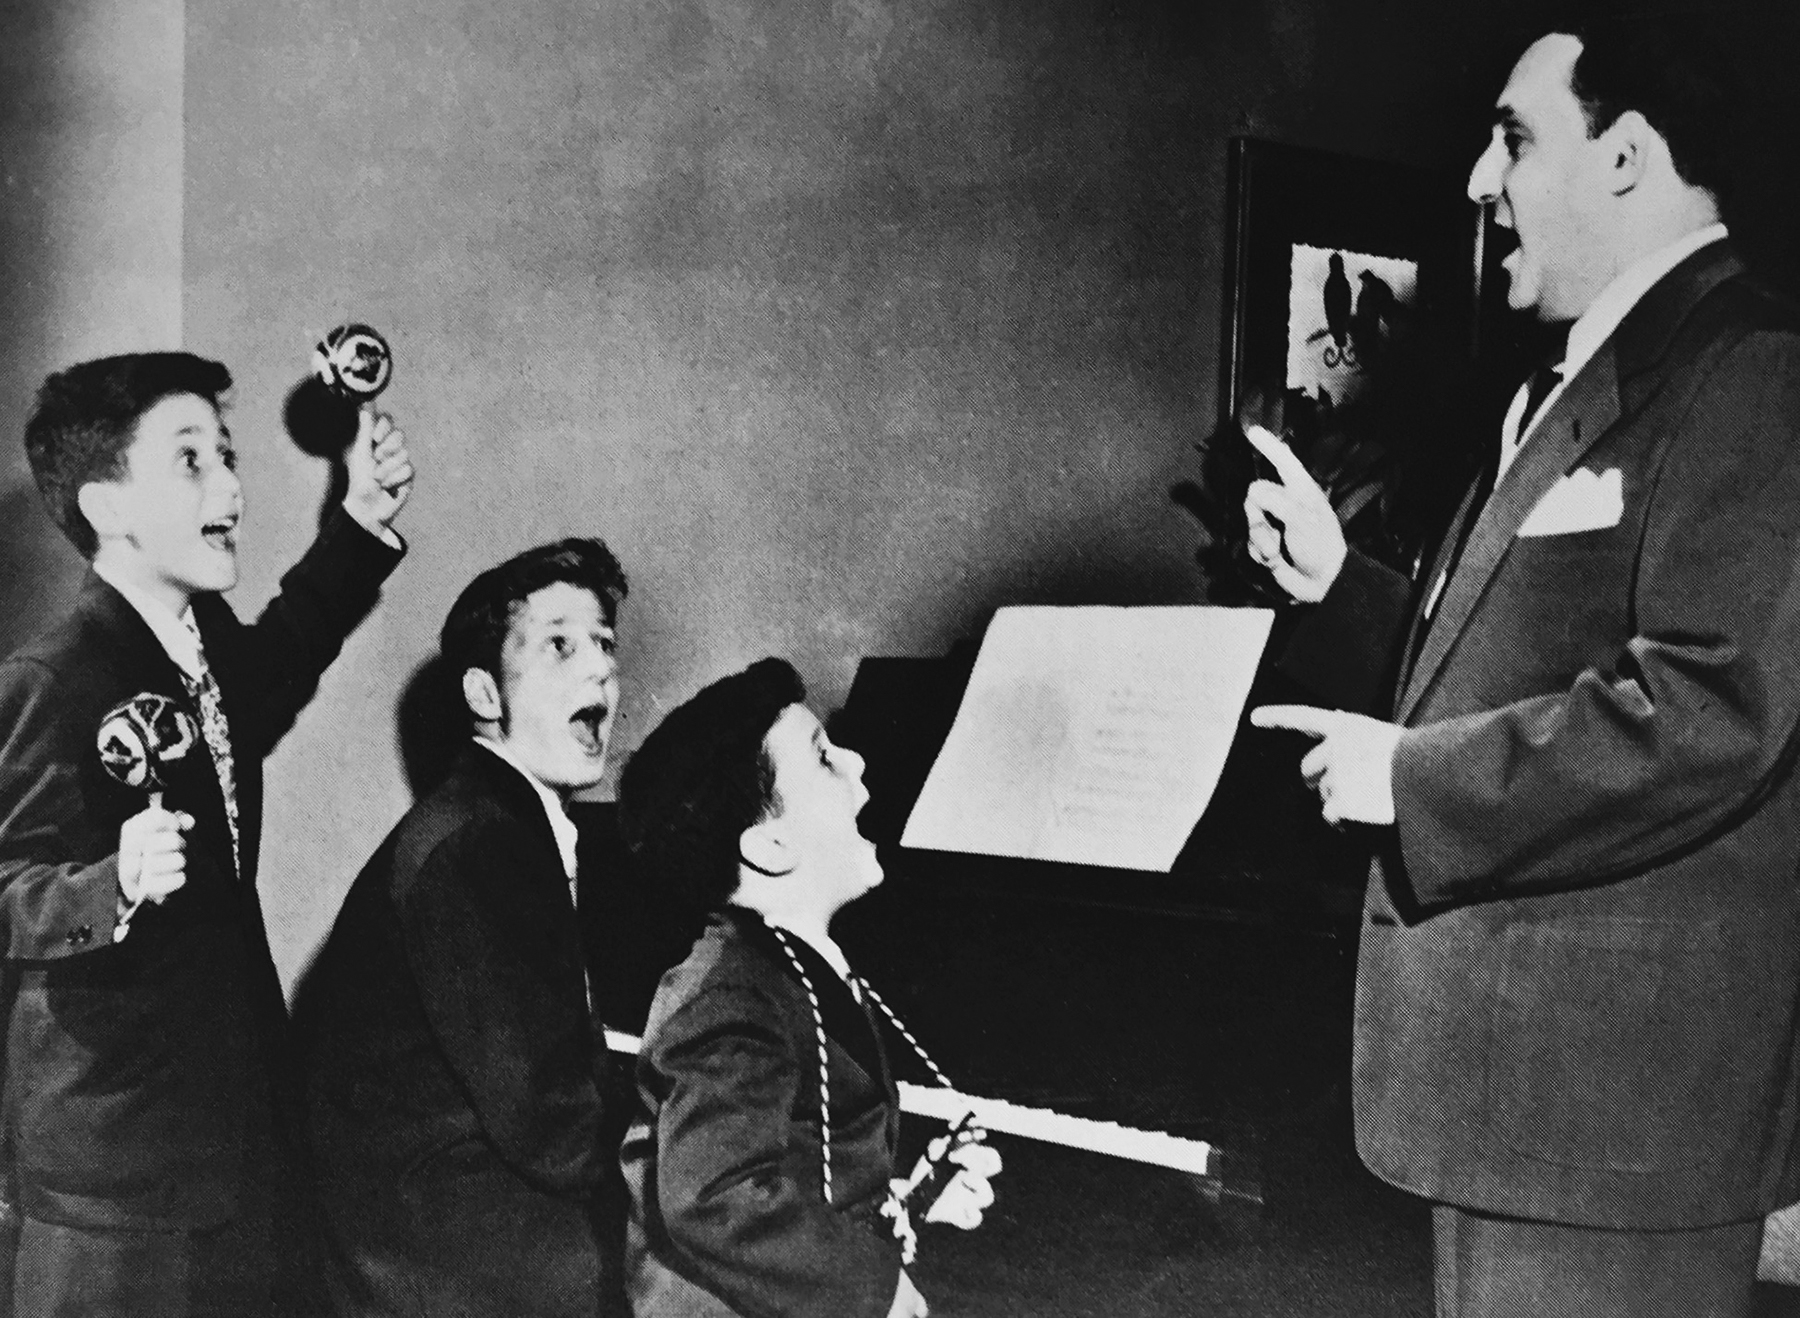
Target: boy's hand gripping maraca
(138,741)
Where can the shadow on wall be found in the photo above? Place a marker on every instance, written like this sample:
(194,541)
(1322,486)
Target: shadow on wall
(39,573)
(322,425)
(431,724)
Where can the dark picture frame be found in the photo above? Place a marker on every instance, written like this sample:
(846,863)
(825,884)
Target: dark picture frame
(1280,196)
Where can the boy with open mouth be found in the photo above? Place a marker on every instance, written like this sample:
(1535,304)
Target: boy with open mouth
(761,1163)
(153,1154)
(452,1097)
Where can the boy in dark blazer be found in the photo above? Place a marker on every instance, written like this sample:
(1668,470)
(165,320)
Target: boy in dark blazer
(145,1079)
(759,1166)
(454,1074)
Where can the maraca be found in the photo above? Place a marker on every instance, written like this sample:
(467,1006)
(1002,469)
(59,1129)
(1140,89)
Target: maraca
(354,362)
(138,740)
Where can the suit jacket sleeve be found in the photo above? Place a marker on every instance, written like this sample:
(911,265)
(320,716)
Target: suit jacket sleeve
(278,660)
(732,1198)
(59,871)
(1344,648)
(1692,720)
(496,958)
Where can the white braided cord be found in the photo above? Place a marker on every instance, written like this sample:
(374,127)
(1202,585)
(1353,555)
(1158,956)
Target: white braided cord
(905,1033)
(812,998)
(857,982)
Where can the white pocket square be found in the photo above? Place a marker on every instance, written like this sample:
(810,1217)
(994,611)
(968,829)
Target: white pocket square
(1581,501)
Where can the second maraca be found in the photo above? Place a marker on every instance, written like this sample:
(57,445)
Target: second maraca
(138,740)
(354,362)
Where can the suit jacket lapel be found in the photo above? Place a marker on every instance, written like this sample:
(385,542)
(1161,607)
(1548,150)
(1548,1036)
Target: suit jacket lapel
(1617,380)
(130,648)
(479,775)
(846,1022)
(1587,407)
(1440,560)
(494,778)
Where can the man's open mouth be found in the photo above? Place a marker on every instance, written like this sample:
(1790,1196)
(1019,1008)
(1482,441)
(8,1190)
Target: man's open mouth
(589,725)
(1502,239)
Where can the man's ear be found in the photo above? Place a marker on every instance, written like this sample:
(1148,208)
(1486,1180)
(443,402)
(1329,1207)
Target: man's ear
(482,695)
(99,503)
(764,848)
(1632,146)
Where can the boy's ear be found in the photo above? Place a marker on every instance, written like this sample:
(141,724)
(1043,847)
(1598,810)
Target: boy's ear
(764,848)
(482,695)
(99,503)
(1633,143)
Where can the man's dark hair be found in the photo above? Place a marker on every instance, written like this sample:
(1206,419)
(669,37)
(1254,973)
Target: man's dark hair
(1671,69)
(702,778)
(475,631)
(86,418)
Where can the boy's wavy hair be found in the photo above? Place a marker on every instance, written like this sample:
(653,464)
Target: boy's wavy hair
(86,418)
(703,777)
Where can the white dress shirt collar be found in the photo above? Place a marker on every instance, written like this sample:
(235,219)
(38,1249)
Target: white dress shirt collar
(823,944)
(560,824)
(1596,325)
(174,632)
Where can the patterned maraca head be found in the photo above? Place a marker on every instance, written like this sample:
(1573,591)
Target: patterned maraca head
(354,362)
(142,736)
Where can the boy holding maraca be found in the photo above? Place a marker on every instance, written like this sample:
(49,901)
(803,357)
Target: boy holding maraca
(153,1166)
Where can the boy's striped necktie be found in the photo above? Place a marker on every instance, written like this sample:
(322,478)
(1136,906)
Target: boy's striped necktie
(204,690)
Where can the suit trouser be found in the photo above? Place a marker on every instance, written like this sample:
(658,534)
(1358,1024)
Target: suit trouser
(264,1263)
(99,1273)
(1496,1267)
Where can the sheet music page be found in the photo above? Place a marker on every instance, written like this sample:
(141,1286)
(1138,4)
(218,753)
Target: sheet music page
(1093,736)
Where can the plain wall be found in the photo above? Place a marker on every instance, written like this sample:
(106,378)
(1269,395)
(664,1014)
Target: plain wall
(90,236)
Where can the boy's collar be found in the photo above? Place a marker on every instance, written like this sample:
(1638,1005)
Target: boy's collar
(171,630)
(845,1019)
(561,826)
(820,942)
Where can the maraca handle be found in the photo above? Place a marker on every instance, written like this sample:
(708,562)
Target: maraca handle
(124,926)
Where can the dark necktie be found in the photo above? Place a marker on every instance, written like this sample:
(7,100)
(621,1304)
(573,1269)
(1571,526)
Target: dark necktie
(1553,349)
(204,691)
(1545,376)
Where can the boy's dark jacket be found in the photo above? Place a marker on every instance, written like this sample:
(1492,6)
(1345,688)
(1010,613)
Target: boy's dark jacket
(728,1214)
(143,1078)
(454,1077)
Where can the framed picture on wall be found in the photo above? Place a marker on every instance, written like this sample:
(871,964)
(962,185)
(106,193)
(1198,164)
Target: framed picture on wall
(1334,266)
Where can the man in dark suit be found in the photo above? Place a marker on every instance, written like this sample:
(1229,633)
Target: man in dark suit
(454,1081)
(144,1079)
(1580,969)
(761,1161)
